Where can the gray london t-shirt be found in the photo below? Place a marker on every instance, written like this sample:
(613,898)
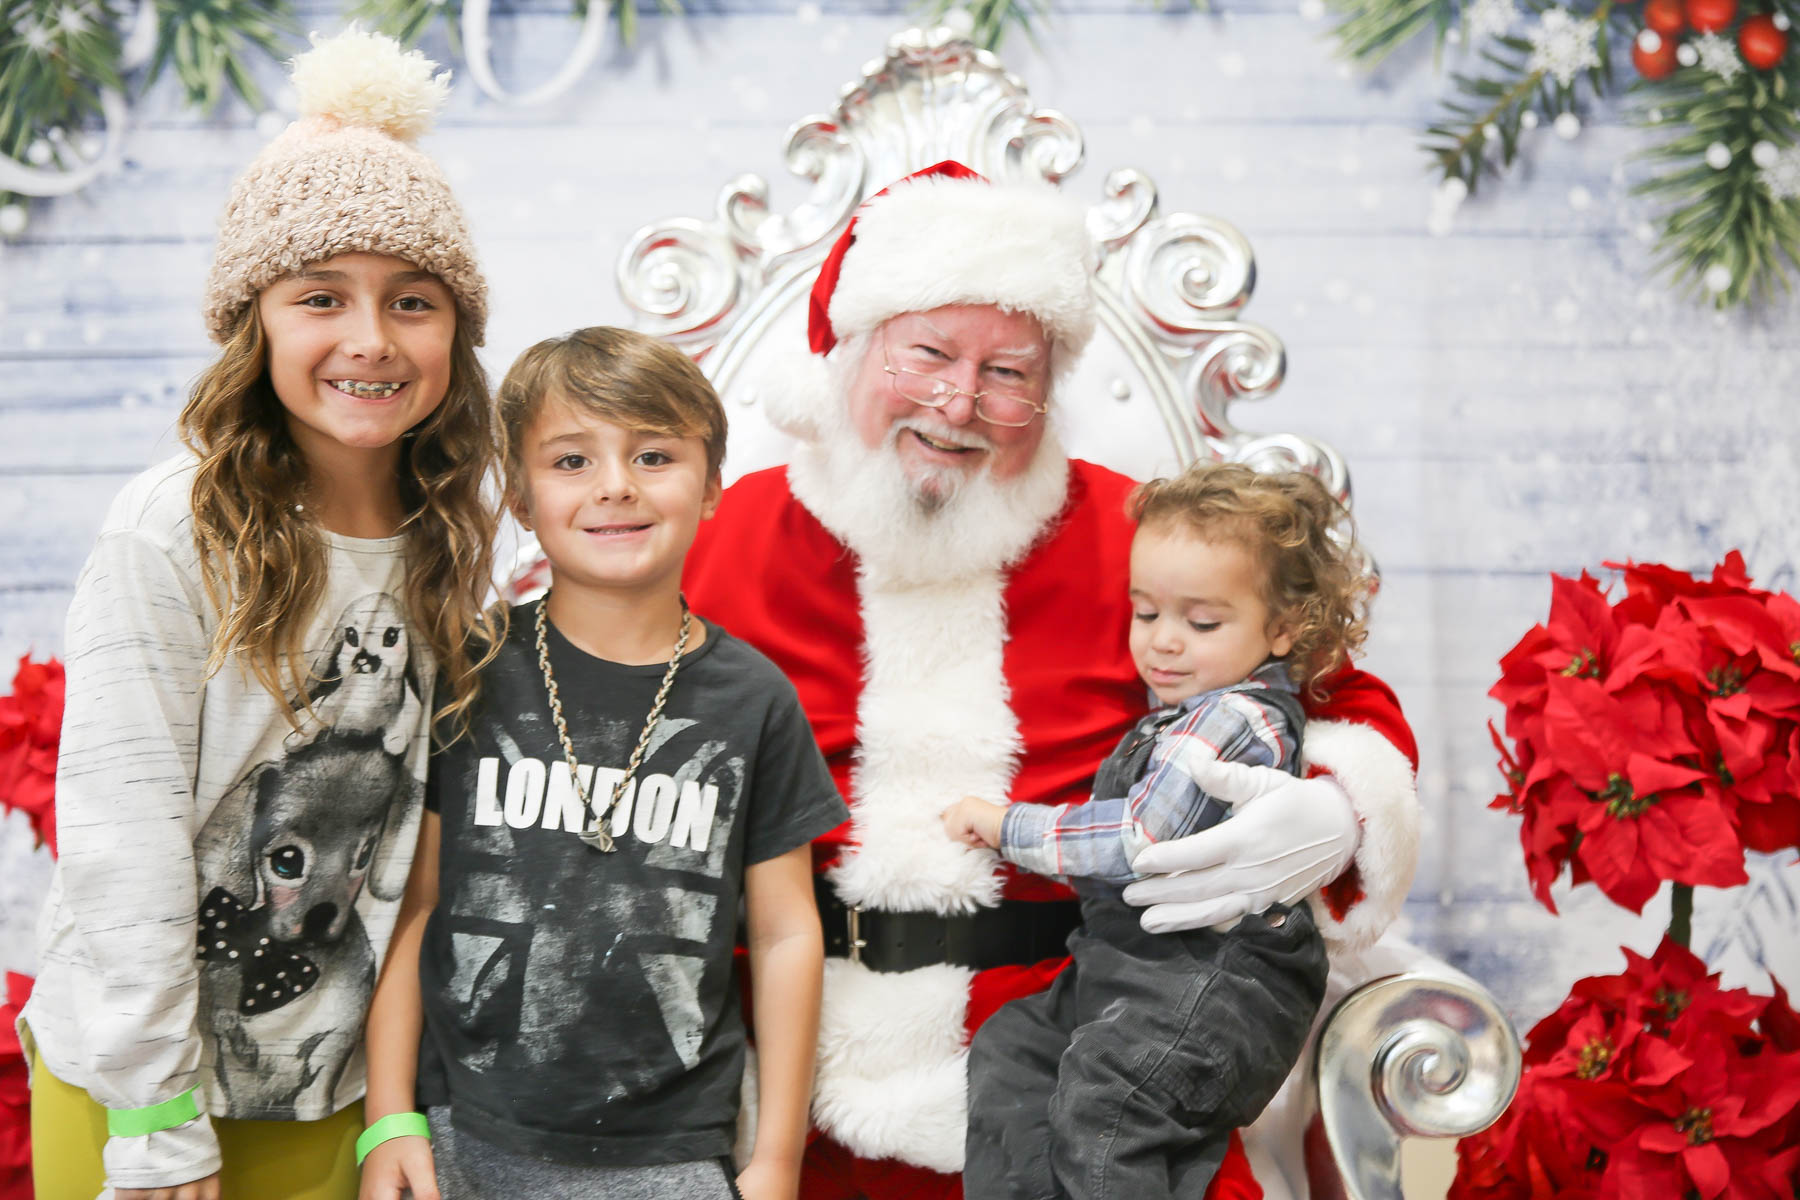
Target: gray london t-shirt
(582,1006)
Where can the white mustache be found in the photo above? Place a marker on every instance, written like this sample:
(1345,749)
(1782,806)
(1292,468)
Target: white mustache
(936,433)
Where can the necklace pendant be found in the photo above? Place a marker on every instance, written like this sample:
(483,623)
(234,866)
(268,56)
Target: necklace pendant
(598,838)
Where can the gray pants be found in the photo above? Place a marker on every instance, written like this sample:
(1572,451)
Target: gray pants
(470,1169)
(1124,1080)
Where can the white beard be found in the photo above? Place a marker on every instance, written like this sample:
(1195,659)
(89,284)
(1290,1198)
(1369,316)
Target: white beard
(950,526)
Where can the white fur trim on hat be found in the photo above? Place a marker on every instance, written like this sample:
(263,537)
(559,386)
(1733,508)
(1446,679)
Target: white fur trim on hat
(935,241)
(1379,781)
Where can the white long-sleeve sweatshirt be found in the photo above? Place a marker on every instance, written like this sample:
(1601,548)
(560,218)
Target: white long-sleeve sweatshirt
(227,885)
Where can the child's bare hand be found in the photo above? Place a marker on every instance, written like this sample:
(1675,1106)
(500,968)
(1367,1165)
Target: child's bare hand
(974,821)
(398,1168)
(199,1189)
(761,1180)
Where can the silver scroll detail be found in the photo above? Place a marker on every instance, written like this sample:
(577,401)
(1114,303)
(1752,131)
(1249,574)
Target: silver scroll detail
(1414,1054)
(1171,287)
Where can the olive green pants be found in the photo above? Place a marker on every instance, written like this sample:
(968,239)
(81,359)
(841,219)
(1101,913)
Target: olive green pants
(264,1160)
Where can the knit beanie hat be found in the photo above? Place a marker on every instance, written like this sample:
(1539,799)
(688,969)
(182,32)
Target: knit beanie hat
(946,235)
(345,178)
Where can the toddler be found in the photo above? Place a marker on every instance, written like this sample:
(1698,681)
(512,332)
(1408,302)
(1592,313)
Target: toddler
(1126,1077)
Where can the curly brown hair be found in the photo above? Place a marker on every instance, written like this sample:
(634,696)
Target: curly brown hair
(263,561)
(1314,579)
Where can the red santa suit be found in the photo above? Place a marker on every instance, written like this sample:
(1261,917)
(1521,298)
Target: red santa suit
(1010,684)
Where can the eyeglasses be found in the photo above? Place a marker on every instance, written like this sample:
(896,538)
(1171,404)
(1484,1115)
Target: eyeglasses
(919,378)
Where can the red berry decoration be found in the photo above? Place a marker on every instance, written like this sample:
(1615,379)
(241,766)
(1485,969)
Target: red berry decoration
(1761,42)
(1654,64)
(1666,17)
(1710,16)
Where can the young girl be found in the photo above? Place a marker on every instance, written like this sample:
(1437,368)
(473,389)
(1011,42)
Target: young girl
(251,653)
(632,772)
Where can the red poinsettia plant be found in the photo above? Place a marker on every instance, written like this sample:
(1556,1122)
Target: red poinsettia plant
(30,728)
(15,1096)
(1653,1082)
(1655,738)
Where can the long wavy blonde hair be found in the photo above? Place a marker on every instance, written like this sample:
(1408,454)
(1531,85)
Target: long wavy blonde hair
(262,560)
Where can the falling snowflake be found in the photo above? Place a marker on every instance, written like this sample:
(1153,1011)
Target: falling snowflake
(1719,56)
(1489,18)
(1782,177)
(1563,47)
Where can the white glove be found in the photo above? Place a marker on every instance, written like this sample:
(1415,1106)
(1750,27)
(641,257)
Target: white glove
(1298,835)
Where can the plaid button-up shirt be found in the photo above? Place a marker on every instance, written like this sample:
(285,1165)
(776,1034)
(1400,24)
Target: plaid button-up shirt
(1097,839)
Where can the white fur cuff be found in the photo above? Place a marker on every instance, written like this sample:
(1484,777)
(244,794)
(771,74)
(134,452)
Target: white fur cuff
(1379,781)
(893,1064)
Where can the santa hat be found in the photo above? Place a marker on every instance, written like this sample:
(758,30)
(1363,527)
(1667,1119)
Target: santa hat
(345,178)
(946,235)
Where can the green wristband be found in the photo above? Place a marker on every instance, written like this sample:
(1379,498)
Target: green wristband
(394,1125)
(153,1118)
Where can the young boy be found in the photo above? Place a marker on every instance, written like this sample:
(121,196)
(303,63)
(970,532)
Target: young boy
(628,772)
(1126,1077)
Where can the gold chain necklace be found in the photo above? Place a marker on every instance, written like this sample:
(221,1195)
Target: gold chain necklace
(597,837)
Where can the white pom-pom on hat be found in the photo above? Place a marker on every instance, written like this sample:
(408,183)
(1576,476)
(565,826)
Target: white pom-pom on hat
(362,78)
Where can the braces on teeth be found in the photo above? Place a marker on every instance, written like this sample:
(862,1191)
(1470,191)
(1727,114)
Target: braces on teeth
(358,388)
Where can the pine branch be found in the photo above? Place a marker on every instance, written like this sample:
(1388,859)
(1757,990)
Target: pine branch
(1724,218)
(55,60)
(625,12)
(1373,29)
(207,41)
(1494,110)
(409,20)
(992,18)
(1481,128)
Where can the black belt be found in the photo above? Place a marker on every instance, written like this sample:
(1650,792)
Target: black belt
(1015,931)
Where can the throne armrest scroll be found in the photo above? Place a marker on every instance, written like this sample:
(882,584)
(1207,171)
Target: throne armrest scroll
(1420,1054)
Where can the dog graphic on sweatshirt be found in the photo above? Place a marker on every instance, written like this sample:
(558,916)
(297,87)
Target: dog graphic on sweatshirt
(287,969)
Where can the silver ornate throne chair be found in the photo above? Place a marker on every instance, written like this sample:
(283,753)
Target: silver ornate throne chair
(1411,1048)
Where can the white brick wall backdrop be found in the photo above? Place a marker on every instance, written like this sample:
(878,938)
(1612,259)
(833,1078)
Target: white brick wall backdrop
(1516,398)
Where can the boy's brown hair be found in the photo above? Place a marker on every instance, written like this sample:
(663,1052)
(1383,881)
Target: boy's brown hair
(1314,576)
(635,381)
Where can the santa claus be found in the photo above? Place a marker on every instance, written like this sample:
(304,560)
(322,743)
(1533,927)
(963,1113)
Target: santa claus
(945,586)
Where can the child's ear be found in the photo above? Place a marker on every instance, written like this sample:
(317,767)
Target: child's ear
(1281,636)
(715,489)
(516,505)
